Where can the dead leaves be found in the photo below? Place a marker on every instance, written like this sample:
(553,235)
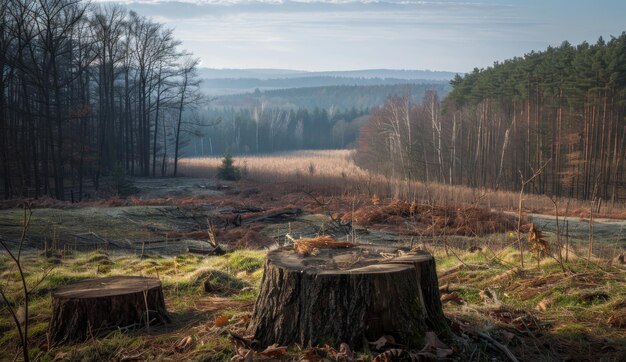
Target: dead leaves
(221,320)
(539,245)
(433,350)
(273,351)
(327,353)
(517,318)
(398,355)
(311,246)
(244,353)
(543,305)
(452,298)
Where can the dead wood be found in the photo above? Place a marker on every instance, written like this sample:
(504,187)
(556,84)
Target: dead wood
(346,295)
(274,216)
(213,251)
(86,308)
(457,268)
(498,346)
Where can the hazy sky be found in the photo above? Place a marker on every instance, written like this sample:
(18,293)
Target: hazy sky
(360,34)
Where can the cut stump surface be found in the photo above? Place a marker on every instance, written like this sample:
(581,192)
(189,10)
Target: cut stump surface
(89,307)
(350,295)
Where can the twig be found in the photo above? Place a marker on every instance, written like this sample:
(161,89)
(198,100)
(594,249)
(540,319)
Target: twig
(498,345)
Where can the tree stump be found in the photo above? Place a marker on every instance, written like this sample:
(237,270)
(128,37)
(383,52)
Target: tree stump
(347,295)
(82,310)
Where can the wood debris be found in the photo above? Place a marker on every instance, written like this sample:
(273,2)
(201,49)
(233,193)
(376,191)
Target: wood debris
(311,246)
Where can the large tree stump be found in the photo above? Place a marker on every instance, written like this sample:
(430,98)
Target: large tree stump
(347,295)
(86,308)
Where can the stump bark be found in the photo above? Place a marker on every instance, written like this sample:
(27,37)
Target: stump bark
(87,308)
(347,295)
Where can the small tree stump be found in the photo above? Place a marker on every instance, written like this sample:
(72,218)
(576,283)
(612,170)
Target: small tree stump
(347,295)
(86,308)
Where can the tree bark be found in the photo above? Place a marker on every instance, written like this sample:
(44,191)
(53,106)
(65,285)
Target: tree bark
(349,295)
(84,309)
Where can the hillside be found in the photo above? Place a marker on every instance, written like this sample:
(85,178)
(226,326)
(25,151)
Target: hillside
(556,117)
(217,82)
(341,97)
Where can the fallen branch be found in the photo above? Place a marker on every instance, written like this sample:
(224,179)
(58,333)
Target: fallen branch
(457,268)
(242,210)
(274,216)
(214,251)
(499,346)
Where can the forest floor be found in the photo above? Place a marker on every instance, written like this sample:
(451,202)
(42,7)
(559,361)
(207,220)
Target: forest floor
(544,312)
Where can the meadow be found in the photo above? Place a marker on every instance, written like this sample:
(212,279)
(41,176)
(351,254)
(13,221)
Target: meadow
(334,172)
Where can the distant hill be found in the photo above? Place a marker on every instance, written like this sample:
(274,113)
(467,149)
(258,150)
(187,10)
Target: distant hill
(233,81)
(339,97)
(212,73)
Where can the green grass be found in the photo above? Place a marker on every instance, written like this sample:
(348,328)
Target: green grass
(245,260)
(183,279)
(573,315)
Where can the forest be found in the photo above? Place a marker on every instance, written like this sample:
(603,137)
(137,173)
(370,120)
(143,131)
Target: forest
(86,90)
(238,85)
(294,119)
(90,92)
(263,129)
(558,113)
(341,97)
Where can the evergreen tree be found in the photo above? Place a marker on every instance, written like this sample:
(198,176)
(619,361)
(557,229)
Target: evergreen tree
(228,171)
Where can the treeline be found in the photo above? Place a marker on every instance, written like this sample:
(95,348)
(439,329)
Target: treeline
(559,113)
(332,97)
(262,129)
(87,91)
(307,82)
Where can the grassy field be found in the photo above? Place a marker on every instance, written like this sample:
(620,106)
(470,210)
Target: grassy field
(334,171)
(546,311)
(541,313)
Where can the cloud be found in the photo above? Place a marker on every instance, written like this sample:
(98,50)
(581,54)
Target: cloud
(352,34)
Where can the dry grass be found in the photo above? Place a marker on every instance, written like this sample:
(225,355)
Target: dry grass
(574,315)
(420,219)
(333,172)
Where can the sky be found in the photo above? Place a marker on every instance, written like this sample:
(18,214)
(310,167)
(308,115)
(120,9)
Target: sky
(324,35)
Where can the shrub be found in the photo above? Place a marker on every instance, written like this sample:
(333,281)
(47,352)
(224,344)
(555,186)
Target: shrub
(227,170)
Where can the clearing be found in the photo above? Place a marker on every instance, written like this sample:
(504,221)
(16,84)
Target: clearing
(545,312)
